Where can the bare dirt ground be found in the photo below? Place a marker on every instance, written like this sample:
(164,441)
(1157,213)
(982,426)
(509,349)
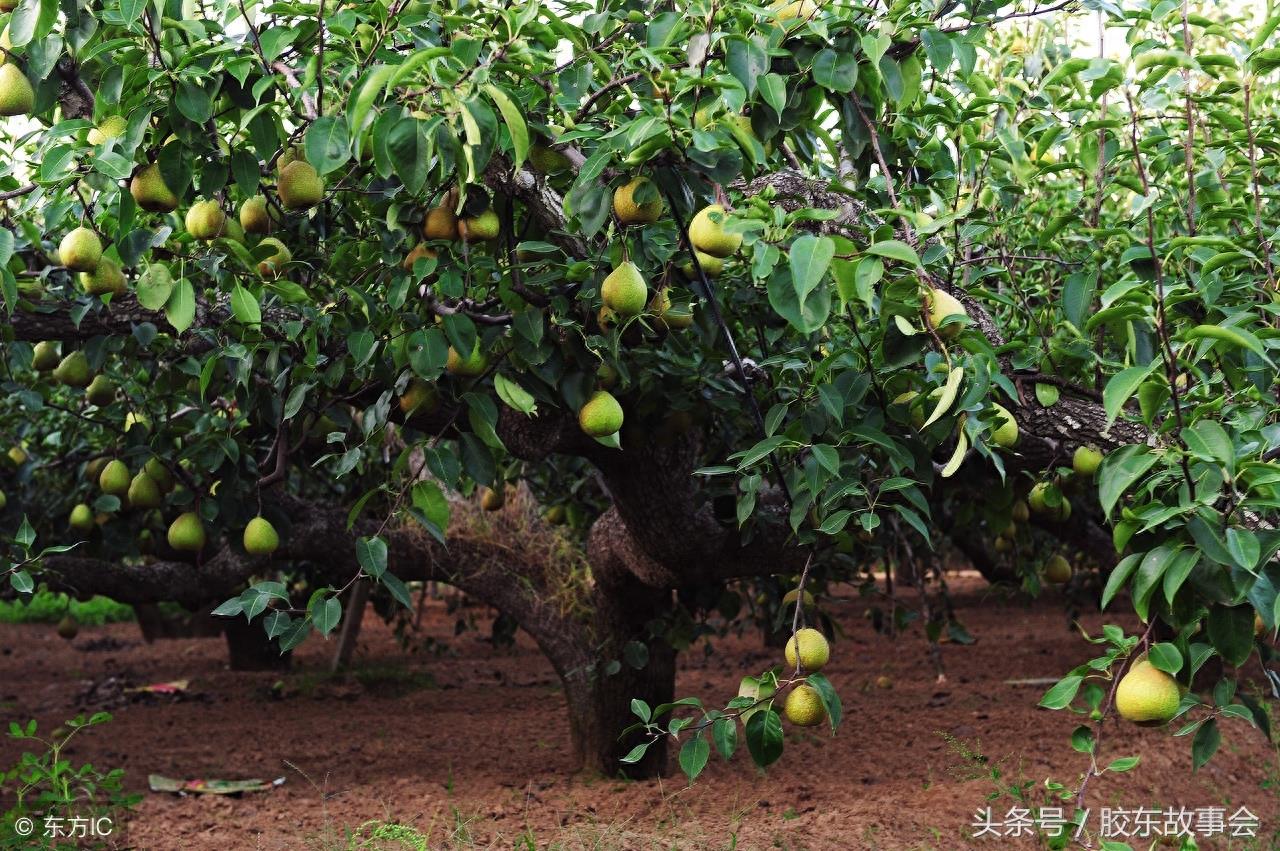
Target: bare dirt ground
(470,745)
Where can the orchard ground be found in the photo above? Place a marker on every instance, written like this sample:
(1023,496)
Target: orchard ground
(469,744)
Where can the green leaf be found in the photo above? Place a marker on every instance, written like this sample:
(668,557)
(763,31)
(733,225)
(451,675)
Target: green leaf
(1124,763)
(1235,336)
(893,249)
(830,700)
(244,306)
(1166,657)
(513,394)
(1062,692)
(515,123)
(641,710)
(1121,386)
(22,582)
(764,737)
(371,555)
(326,616)
(181,307)
(947,397)
(154,286)
(724,732)
(637,753)
(810,257)
(1119,470)
(773,89)
(836,71)
(361,345)
(328,144)
(694,755)
(1230,630)
(1205,744)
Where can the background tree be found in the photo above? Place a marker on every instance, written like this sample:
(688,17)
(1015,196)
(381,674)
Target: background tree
(338,267)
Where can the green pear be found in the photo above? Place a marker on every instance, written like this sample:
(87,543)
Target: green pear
(45,356)
(254,216)
(73,371)
(186,534)
(481,227)
(300,188)
(112,127)
(624,290)
(1057,570)
(231,229)
(115,478)
(1085,461)
(81,519)
(205,220)
(80,250)
(144,492)
(151,192)
(1004,429)
(4,500)
(68,627)
(469,367)
(271,266)
(942,304)
(101,391)
(16,95)
(601,415)
(260,537)
(159,474)
(107,279)
(628,211)
(708,235)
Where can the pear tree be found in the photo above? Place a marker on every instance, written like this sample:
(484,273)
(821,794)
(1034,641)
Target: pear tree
(752,299)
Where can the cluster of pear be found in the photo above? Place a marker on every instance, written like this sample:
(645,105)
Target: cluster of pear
(146,490)
(73,370)
(806,651)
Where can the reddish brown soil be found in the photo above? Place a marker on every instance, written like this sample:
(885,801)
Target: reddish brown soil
(479,758)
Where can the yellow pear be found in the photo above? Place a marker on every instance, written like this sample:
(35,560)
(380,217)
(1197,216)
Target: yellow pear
(440,223)
(814,650)
(260,537)
(151,192)
(114,478)
(1147,695)
(624,290)
(300,188)
(942,304)
(492,500)
(144,492)
(205,220)
(601,415)
(271,266)
(107,279)
(254,216)
(419,397)
(80,250)
(16,95)
(711,266)
(626,208)
(186,534)
(419,252)
(804,707)
(708,235)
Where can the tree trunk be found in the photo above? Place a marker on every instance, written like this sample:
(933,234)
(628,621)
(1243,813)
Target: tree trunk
(600,709)
(249,649)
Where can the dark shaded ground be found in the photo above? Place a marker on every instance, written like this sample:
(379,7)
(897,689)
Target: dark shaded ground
(471,746)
